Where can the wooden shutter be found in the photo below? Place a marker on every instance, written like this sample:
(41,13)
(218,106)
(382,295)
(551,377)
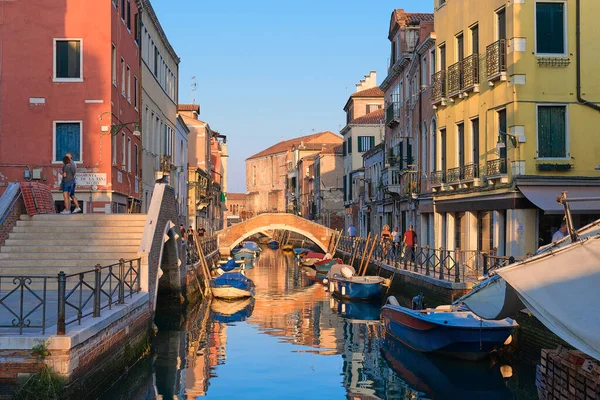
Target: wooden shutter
(552,132)
(550,35)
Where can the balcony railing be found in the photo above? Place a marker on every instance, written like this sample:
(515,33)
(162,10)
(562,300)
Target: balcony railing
(496,59)
(470,72)
(470,172)
(439,87)
(454,79)
(165,164)
(392,113)
(437,178)
(496,167)
(453,175)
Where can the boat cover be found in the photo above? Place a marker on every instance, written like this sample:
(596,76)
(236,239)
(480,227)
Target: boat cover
(560,287)
(229,265)
(233,279)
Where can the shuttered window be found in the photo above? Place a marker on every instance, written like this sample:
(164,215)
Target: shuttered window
(67,139)
(552,132)
(350,145)
(344,188)
(401,156)
(550,28)
(365,143)
(68,59)
(350,187)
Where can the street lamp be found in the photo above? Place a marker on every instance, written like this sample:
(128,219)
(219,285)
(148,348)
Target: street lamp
(513,140)
(115,128)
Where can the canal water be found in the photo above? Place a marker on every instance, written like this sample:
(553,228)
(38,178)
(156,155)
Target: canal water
(294,342)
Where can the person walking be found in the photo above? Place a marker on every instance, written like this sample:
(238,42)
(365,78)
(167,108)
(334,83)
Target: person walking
(201,231)
(396,241)
(386,239)
(351,231)
(68,186)
(74,165)
(182,231)
(410,241)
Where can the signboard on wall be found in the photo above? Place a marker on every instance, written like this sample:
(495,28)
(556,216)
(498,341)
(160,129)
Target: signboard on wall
(91,179)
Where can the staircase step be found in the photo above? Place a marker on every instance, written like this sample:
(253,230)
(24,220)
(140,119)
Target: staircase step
(67,222)
(57,265)
(79,229)
(68,235)
(53,240)
(73,247)
(85,217)
(49,271)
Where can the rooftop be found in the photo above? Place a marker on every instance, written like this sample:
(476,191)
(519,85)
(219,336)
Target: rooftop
(236,196)
(315,141)
(372,118)
(373,92)
(189,107)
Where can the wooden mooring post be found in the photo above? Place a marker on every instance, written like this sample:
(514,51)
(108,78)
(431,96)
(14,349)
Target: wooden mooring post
(203,265)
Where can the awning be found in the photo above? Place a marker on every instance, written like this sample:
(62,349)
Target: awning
(545,197)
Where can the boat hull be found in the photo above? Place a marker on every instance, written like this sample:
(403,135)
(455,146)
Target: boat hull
(231,293)
(471,343)
(357,311)
(324,266)
(347,289)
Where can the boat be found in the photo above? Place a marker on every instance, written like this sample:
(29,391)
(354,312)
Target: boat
(228,311)
(233,285)
(231,265)
(264,240)
(273,244)
(300,250)
(344,283)
(450,330)
(356,311)
(244,255)
(287,247)
(323,266)
(439,377)
(252,246)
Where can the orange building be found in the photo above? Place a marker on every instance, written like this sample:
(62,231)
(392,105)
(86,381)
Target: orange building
(71,83)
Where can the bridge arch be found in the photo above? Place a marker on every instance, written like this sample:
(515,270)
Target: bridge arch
(235,234)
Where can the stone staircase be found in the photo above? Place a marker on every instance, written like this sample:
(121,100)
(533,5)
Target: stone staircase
(48,244)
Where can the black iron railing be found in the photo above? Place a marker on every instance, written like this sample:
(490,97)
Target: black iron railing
(438,177)
(438,92)
(470,172)
(207,243)
(454,79)
(496,167)
(470,72)
(495,58)
(28,301)
(453,175)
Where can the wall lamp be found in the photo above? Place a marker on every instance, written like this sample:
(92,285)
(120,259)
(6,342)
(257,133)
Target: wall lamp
(114,129)
(514,140)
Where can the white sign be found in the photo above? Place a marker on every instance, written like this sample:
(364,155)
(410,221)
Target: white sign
(91,179)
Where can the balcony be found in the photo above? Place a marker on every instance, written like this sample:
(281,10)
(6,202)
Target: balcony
(390,178)
(438,93)
(470,74)
(454,175)
(454,80)
(437,179)
(392,114)
(495,58)
(470,173)
(496,170)
(165,164)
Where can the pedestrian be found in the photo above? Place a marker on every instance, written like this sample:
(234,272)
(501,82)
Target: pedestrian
(560,233)
(396,240)
(201,231)
(68,186)
(410,241)
(386,239)
(190,235)
(182,231)
(351,231)
(77,209)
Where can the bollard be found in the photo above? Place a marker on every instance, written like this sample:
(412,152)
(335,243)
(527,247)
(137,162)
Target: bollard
(62,286)
(485,264)
(442,263)
(427,260)
(121,281)
(97,290)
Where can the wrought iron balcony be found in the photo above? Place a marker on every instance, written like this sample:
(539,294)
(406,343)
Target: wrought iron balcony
(165,164)
(453,175)
(470,73)
(496,167)
(392,114)
(454,79)
(438,94)
(470,172)
(437,178)
(496,60)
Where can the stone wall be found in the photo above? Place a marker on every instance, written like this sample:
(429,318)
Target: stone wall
(12,210)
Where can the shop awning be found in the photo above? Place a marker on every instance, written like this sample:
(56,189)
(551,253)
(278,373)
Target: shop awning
(545,197)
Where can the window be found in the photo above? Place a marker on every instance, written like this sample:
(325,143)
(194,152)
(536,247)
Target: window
(113,140)
(156,55)
(501,24)
(433,147)
(123,154)
(123,10)
(114,65)
(552,131)
(137,28)
(128,154)
(345,188)
(128,22)
(401,92)
(135,92)
(431,65)
(443,57)
(460,49)
(350,145)
(344,151)
(123,76)
(475,39)
(68,60)
(67,139)
(424,71)
(373,107)
(365,143)
(128,84)
(460,128)
(550,29)
(475,140)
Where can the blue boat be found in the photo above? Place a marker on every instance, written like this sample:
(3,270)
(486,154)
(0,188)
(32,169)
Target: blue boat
(233,285)
(356,311)
(273,244)
(244,255)
(445,329)
(300,250)
(325,265)
(230,265)
(343,283)
(231,311)
(252,246)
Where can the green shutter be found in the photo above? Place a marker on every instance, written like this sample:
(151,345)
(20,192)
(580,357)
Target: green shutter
(550,36)
(409,159)
(350,145)
(400,156)
(552,141)
(344,188)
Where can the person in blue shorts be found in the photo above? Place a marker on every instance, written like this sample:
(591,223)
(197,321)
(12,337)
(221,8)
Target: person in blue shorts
(68,186)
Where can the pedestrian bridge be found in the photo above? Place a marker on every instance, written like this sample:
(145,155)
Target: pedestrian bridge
(233,235)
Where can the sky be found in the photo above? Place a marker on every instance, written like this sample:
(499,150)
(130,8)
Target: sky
(272,69)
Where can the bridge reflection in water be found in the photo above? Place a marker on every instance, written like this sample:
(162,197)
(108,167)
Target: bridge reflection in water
(291,342)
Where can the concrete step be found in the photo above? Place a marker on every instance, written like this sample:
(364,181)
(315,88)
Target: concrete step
(73,247)
(67,235)
(113,255)
(85,217)
(81,223)
(67,240)
(79,229)
(57,265)
(51,272)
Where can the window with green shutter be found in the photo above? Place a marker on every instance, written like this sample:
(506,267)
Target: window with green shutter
(344,188)
(552,132)
(400,156)
(350,145)
(550,28)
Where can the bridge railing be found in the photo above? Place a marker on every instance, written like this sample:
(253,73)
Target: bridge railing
(209,244)
(35,302)
(454,265)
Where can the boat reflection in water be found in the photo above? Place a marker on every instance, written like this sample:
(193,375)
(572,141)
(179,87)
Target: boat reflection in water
(440,377)
(228,311)
(356,310)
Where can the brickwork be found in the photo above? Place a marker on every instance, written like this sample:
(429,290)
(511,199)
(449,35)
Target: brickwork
(38,198)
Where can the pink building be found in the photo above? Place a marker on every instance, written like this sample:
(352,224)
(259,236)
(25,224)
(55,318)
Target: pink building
(70,82)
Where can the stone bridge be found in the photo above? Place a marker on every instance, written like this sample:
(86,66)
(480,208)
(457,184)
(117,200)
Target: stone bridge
(232,236)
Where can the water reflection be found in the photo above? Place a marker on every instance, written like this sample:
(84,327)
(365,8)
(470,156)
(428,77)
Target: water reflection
(293,341)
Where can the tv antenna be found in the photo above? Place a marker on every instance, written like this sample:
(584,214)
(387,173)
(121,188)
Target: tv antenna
(194,85)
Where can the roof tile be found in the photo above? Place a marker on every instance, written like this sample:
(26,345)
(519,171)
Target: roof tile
(372,92)
(311,142)
(373,118)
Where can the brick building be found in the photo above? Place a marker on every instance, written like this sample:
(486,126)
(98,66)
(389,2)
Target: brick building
(85,55)
(328,173)
(236,208)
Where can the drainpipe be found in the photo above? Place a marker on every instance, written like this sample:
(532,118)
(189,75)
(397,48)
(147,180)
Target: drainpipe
(580,99)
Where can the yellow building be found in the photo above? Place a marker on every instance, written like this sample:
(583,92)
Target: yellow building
(515,124)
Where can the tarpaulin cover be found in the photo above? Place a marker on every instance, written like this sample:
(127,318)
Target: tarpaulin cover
(233,279)
(229,265)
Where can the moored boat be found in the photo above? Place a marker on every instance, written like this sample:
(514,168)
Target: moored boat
(287,247)
(325,265)
(233,285)
(252,246)
(356,310)
(273,244)
(343,283)
(445,329)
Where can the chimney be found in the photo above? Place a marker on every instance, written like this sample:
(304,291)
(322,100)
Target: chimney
(370,81)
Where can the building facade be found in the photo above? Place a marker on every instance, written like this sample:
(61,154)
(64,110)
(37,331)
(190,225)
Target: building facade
(160,79)
(84,55)
(372,196)
(327,188)
(236,208)
(179,174)
(515,92)
(364,130)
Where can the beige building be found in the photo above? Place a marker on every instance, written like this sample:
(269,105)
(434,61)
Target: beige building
(329,203)
(269,189)
(160,76)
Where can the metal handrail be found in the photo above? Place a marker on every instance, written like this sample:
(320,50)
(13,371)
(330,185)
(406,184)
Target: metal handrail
(496,167)
(496,58)
(470,71)
(454,175)
(454,79)
(438,86)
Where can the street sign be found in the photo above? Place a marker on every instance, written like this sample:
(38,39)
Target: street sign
(91,179)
